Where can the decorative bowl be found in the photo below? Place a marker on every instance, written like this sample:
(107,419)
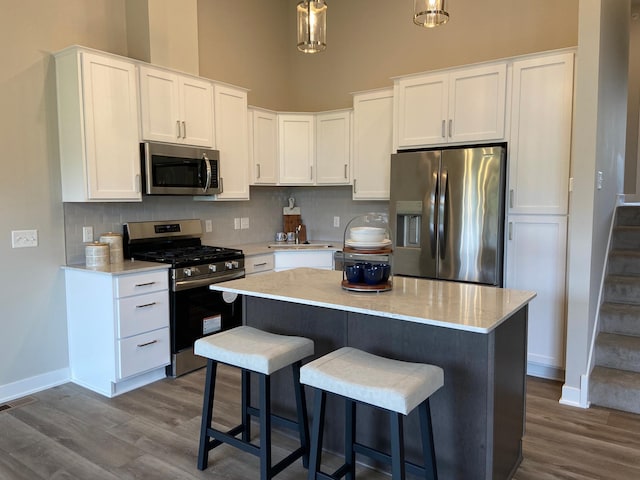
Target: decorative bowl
(367,234)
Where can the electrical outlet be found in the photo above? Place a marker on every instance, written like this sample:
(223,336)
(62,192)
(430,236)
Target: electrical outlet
(336,222)
(87,234)
(208,226)
(24,238)
(236,224)
(244,223)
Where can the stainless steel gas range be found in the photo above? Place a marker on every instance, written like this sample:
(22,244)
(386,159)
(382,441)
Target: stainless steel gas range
(195,311)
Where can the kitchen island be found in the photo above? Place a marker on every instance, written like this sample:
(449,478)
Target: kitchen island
(477,334)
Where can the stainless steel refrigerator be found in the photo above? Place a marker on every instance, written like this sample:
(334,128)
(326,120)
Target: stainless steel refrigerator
(446,213)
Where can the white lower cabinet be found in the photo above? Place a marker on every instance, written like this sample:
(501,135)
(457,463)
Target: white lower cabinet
(262,263)
(286,260)
(536,251)
(118,327)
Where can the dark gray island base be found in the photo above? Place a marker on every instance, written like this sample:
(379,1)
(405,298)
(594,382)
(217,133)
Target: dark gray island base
(479,414)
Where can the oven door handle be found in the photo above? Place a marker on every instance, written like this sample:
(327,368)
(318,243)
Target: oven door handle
(203,282)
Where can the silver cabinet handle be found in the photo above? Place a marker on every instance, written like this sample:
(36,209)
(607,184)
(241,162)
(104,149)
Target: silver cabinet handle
(355,185)
(144,284)
(140,345)
(138,185)
(444,134)
(510,230)
(311,172)
(260,264)
(450,128)
(511,197)
(345,171)
(178,129)
(184,129)
(221,185)
(146,305)
(258,166)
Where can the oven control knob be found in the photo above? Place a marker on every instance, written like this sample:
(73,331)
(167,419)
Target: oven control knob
(231,265)
(187,272)
(212,268)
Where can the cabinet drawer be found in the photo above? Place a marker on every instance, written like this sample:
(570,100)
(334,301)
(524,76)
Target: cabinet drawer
(258,263)
(143,313)
(287,260)
(143,352)
(127,285)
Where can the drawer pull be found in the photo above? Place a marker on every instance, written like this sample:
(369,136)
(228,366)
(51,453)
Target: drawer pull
(146,305)
(260,264)
(144,284)
(140,345)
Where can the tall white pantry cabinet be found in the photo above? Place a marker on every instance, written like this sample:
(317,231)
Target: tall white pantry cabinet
(537,200)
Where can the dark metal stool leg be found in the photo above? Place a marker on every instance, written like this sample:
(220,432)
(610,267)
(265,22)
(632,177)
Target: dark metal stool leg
(350,438)
(246,401)
(397,446)
(317,433)
(207,414)
(265,427)
(428,448)
(301,406)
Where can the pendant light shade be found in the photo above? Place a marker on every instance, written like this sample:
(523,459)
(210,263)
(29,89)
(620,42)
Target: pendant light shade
(312,26)
(429,13)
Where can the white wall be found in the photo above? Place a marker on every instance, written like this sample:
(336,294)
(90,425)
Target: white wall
(598,145)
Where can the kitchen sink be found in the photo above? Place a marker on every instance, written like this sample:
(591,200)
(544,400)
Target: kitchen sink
(299,246)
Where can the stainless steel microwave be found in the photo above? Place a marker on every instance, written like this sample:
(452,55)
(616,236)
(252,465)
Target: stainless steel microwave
(180,170)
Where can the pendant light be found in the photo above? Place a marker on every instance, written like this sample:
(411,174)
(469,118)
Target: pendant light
(312,26)
(429,13)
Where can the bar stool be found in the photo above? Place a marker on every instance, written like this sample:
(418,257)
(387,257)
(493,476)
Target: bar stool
(263,353)
(391,385)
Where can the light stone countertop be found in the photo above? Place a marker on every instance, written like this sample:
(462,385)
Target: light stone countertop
(460,306)
(128,266)
(264,248)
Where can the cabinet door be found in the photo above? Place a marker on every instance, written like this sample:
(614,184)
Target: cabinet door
(232,141)
(372,144)
(540,146)
(263,147)
(422,110)
(296,149)
(111,128)
(536,261)
(477,104)
(159,105)
(196,115)
(333,148)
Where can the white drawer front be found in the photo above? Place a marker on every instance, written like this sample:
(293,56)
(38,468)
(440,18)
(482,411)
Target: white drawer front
(143,313)
(258,263)
(287,260)
(127,285)
(143,352)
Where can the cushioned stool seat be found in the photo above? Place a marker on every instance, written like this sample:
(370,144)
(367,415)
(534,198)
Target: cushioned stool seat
(262,353)
(392,385)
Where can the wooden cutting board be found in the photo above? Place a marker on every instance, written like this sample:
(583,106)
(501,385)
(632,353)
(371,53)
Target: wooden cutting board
(290,222)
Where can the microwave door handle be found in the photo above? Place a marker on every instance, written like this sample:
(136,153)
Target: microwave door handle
(208,164)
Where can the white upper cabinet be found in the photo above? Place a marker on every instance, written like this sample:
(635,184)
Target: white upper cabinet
(232,141)
(263,146)
(296,148)
(540,144)
(98,127)
(372,144)
(333,148)
(462,105)
(176,108)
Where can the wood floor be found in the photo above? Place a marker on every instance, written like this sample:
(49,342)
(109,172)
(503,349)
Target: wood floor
(68,432)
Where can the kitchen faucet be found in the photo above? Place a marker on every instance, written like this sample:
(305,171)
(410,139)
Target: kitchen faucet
(298,228)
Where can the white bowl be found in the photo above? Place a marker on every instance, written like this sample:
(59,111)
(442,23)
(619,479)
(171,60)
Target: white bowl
(367,234)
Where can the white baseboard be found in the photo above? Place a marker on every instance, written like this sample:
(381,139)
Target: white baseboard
(572,397)
(30,385)
(544,371)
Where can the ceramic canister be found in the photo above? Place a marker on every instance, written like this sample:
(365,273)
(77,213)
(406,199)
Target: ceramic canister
(97,254)
(114,240)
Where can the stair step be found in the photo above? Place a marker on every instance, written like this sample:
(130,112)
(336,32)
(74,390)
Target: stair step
(618,351)
(613,388)
(620,318)
(622,289)
(624,262)
(628,215)
(626,237)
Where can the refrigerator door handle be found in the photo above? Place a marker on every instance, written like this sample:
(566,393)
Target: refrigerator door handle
(442,240)
(433,219)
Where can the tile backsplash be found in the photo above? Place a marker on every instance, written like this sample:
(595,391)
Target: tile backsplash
(318,205)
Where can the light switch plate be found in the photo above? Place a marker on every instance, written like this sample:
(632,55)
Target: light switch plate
(87,234)
(336,222)
(24,238)
(208,227)
(244,223)
(236,224)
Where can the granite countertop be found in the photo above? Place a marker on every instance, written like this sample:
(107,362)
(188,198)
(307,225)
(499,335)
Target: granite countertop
(128,266)
(454,305)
